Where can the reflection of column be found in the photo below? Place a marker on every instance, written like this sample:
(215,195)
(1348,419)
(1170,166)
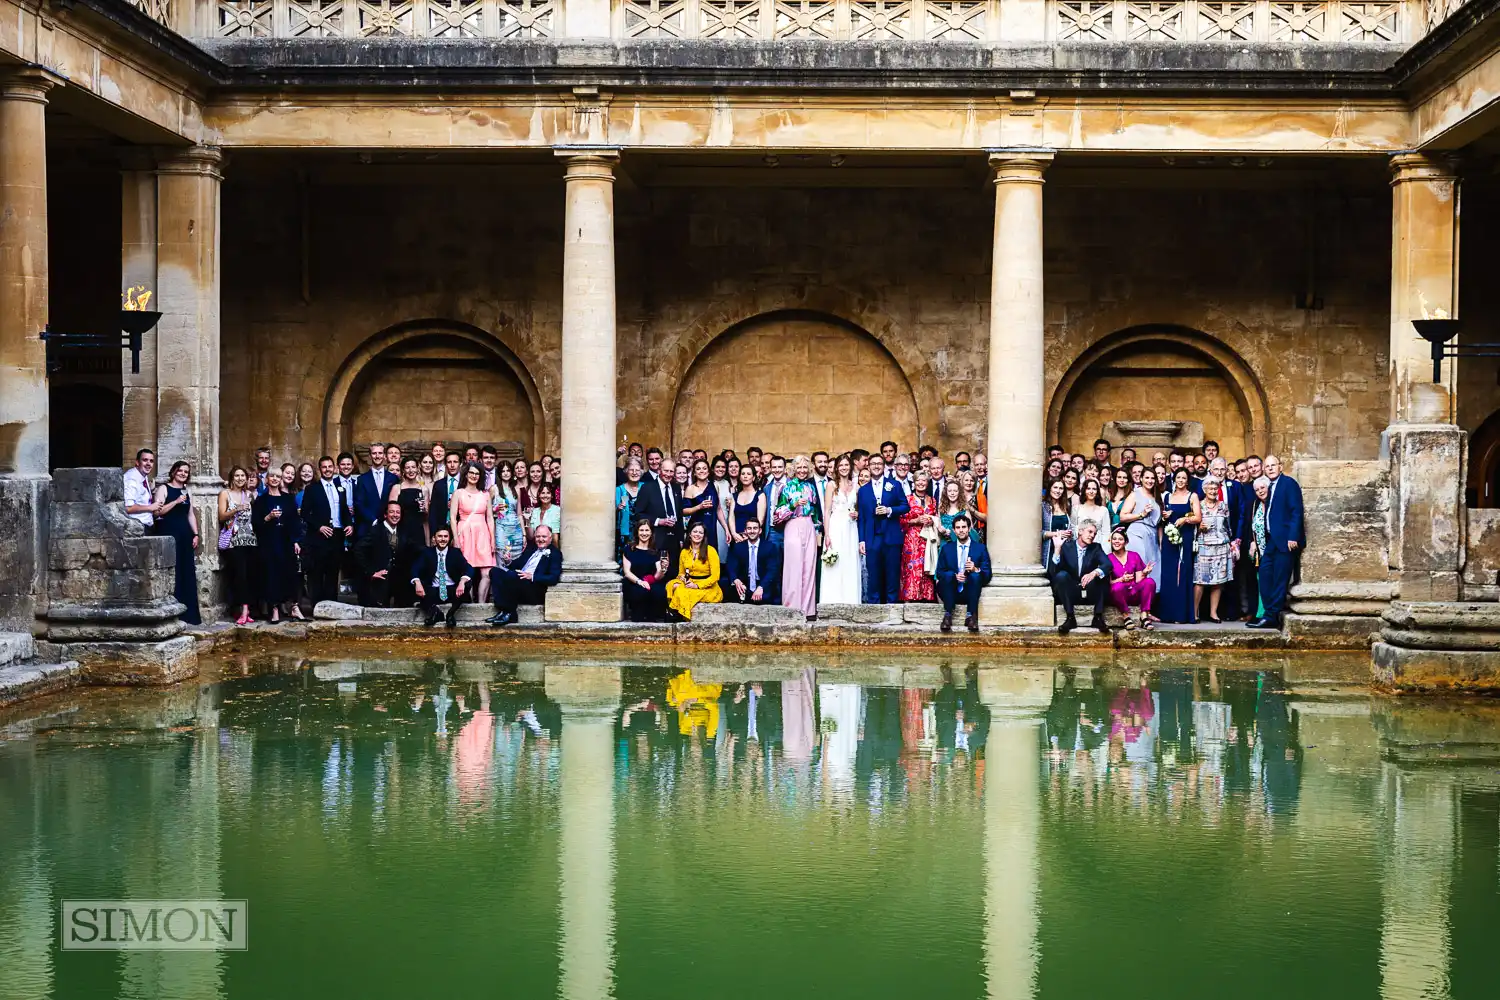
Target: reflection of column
(590,697)
(590,587)
(1415,933)
(26,908)
(1017,594)
(1012,818)
(180,859)
(24,465)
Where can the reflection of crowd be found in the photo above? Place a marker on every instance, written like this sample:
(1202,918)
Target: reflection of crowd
(1202,737)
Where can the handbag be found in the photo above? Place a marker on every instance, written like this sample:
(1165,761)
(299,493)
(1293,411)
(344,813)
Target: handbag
(226,535)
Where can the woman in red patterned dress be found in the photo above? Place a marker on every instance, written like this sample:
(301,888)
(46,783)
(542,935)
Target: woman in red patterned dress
(916,584)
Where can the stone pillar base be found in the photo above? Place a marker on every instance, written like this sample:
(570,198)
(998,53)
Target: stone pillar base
(134,664)
(586,594)
(24,502)
(1016,601)
(1404,669)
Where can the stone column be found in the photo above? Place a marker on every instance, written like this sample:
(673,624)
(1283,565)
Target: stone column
(187,338)
(590,697)
(24,462)
(1017,594)
(138,270)
(590,588)
(1427,451)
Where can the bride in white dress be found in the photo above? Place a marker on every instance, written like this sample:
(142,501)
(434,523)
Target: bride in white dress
(841,581)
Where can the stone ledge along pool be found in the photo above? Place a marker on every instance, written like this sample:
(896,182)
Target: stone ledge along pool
(757,825)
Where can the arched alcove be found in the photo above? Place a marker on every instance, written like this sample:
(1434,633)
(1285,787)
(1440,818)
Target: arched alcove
(1483,487)
(425,382)
(794,382)
(1160,373)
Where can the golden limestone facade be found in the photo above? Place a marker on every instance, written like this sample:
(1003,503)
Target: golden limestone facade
(982,224)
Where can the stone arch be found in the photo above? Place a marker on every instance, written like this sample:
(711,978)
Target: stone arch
(794,381)
(439,344)
(1152,356)
(831,303)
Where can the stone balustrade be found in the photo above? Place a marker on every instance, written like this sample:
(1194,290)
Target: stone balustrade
(1233,22)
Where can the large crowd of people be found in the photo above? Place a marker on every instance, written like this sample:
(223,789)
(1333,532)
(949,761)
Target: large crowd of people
(1183,537)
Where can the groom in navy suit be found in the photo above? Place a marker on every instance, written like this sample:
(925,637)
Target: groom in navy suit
(1285,538)
(881,503)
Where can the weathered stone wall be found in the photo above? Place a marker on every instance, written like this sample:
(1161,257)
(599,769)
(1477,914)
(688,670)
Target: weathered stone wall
(1346,506)
(1482,565)
(908,265)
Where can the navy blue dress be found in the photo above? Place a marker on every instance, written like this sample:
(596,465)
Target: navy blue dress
(743,512)
(644,605)
(1174,601)
(176,526)
(708,518)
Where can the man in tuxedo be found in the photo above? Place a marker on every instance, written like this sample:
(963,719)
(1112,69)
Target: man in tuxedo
(935,471)
(754,568)
(1079,570)
(526,580)
(442,492)
(441,576)
(262,466)
(371,490)
(963,569)
(1285,538)
(880,504)
(380,561)
(660,502)
(327,521)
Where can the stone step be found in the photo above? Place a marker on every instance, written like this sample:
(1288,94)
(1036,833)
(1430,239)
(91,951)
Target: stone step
(16,647)
(747,614)
(468,614)
(924,614)
(861,614)
(31,680)
(1112,616)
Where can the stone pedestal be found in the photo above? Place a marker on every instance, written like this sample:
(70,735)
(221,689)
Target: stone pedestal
(1438,645)
(590,587)
(1427,513)
(109,587)
(23,370)
(1017,594)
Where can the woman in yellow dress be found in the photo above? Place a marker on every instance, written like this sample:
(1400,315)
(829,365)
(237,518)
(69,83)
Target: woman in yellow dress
(697,576)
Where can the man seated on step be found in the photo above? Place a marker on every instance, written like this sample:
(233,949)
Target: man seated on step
(963,568)
(754,568)
(526,580)
(1079,571)
(441,576)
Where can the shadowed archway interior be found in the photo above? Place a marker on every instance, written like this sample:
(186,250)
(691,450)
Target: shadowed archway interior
(1160,376)
(794,382)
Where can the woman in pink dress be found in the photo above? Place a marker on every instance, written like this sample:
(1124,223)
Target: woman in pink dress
(473,523)
(1129,579)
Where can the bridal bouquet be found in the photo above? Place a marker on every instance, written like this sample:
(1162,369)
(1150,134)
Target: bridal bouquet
(830,557)
(1173,534)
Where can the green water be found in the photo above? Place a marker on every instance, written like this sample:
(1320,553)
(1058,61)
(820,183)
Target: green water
(722,827)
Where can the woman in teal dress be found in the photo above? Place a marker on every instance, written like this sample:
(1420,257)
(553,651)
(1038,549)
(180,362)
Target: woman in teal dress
(1122,490)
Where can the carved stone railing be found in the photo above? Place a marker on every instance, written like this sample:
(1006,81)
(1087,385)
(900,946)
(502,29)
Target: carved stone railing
(1284,22)
(157,10)
(376,18)
(1287,22)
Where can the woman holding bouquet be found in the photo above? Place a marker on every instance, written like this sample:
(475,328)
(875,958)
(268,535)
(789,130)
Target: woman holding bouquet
(800,517)
(841,583)
(1180,516)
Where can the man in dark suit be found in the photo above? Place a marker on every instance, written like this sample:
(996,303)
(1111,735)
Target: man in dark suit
(754,569)
(1285,538)
(963,569)
(1246,574)
(660,502)
(880,504)
(526,580)
(380,560)
(441,576)
(327,521)
(371,490)
(442,493)
(1079,570)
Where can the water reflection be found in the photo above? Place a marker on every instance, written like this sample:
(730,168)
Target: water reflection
(880,827)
